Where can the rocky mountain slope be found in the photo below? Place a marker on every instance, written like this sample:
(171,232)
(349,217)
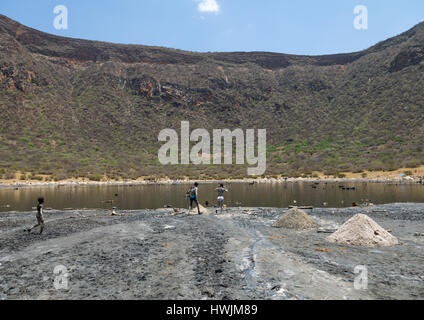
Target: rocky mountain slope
(74,107)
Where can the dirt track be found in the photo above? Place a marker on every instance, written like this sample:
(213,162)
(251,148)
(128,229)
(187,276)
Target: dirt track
(234,255)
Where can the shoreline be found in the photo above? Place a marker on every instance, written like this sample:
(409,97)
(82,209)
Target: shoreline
(401,175)
(72,182)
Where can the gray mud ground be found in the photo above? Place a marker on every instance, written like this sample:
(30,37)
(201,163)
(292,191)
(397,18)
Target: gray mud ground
(234,255)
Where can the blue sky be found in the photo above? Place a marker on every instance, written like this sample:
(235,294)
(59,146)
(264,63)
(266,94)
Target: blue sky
(288,26)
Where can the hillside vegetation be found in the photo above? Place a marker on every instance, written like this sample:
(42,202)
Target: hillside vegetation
(77,108)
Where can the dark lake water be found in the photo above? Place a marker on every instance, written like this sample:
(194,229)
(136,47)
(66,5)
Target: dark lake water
(259,195)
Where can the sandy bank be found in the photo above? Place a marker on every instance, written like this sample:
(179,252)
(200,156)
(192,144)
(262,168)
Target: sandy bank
(70,182)
(416,175)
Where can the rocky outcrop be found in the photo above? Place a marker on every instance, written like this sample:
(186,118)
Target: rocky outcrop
(407,58)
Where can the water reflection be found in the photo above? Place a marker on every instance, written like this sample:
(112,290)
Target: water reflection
(156,196)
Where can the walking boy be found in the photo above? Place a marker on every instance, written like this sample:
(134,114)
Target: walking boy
(39,216)
(221,189)
(194,197)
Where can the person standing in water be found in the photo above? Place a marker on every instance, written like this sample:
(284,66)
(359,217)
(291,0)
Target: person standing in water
(39,216)
(221,189)
(194,197)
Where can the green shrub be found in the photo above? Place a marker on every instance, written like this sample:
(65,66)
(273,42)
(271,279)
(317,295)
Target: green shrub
(95,177)
(59,177)
(9,176)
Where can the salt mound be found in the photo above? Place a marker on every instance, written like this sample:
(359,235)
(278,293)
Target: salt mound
(295,219)
(361,230)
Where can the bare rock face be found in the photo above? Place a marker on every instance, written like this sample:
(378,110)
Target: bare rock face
(407,58)
(361,230)
(295,219)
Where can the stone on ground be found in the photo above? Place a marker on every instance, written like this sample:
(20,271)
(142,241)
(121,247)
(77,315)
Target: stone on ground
(203,210)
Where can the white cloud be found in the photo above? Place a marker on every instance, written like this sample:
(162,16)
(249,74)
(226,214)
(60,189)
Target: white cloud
(208,6)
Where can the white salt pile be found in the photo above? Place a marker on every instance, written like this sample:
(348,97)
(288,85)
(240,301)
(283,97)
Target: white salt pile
(361,230)
(295,219)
